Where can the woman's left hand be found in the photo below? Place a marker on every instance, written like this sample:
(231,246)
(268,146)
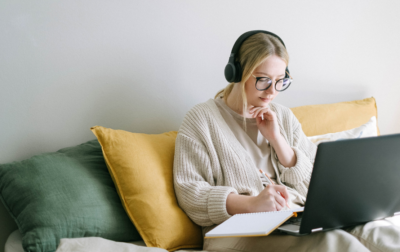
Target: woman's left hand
(268,127)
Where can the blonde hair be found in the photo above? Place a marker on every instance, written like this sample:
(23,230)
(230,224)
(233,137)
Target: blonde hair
(254,50)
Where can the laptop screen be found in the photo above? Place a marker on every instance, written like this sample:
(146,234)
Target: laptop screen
(353,181)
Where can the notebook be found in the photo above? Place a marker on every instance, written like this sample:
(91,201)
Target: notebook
(252,224)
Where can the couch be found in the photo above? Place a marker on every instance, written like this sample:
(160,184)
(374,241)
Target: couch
(316,120)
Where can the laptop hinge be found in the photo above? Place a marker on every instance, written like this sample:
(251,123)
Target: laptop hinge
(316,230)
(396,213)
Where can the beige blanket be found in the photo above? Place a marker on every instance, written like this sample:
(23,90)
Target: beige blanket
(97,244)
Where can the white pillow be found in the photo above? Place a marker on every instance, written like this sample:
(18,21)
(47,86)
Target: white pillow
(366,130)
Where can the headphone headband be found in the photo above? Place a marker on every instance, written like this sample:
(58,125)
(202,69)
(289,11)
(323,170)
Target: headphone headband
(233,70)
(245,35)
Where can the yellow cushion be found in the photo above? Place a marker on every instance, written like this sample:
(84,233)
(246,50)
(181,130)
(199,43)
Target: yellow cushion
(141,168)
(336,117)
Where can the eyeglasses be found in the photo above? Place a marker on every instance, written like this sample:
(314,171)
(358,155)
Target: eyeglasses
(263,83)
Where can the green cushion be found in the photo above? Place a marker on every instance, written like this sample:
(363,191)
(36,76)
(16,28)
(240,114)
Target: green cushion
(64,194)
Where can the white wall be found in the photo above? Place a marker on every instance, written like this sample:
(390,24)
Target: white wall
(140,65)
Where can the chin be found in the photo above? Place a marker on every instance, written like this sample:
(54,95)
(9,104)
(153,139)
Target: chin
(258,104)
(264,102)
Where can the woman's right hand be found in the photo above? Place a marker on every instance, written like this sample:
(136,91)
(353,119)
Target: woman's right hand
(269,199)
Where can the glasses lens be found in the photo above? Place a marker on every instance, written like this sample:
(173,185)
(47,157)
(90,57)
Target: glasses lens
(283,84)
(263,83)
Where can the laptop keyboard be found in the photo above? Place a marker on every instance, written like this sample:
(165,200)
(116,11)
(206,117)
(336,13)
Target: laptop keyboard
(294,221)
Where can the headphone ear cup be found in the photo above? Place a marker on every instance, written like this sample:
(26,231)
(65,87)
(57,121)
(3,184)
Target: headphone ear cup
(230,72)
(238,74)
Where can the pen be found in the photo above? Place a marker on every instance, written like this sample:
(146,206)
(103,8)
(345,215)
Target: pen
(272,182)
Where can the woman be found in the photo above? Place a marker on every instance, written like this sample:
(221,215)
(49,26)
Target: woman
(223,143)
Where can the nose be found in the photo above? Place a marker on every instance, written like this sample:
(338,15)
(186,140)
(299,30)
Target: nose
(271,90)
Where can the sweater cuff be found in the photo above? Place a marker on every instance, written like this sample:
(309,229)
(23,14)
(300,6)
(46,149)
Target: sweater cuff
(300,172)
(217,203)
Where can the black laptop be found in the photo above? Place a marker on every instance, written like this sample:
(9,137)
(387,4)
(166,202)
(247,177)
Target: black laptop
(353,182)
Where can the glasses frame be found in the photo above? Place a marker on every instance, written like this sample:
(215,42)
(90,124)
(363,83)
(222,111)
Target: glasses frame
(258,78)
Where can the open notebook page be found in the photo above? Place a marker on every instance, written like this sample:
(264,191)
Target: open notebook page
(252,224)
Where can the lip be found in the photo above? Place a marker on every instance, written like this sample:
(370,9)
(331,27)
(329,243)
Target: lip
(265,99)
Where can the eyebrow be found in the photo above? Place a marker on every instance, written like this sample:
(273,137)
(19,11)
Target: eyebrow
(269,75)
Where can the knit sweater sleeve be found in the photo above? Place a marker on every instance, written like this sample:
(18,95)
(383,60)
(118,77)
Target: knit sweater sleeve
(299,175)
(197,194)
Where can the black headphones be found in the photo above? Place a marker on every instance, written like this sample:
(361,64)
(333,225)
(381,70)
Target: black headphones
(233,70)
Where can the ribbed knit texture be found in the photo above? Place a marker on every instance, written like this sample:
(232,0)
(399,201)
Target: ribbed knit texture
(210,163)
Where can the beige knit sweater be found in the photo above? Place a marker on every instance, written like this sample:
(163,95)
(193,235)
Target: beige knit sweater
(210,163)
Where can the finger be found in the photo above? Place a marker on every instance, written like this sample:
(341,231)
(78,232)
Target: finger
(280,201)
(267,113)
(274,207)
(263,115)
(258,120)
(278,207)
(270,113)
(283,191)
(252,109)
(259,112)
(256,113)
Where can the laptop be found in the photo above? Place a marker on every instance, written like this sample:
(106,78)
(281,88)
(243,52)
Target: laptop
(353,181)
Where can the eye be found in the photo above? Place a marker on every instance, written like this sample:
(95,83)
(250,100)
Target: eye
(264,80)
(286,81)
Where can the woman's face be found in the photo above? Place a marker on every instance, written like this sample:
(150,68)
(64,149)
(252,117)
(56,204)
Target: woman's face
(274,68)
